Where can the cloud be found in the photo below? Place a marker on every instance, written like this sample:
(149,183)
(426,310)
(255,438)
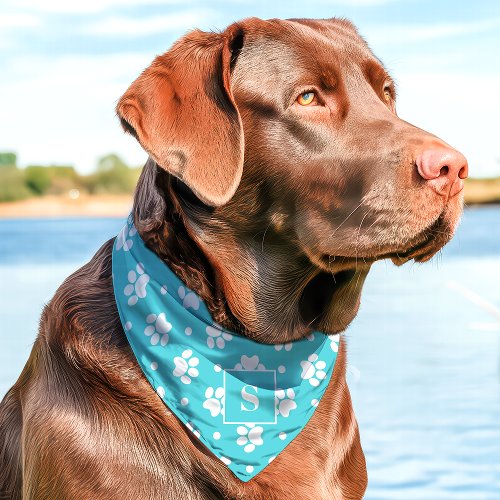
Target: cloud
(86,6)
(148,26)
(387,34)
(93,6)
(17,20)
(14,24)
(359,3)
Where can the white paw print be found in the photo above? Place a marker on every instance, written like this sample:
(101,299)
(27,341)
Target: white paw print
(250,436)
(214,401)
(189,299)
(288,346)
(249,363)
(186,364)
(216,337)
(158,328)
(123,239)
(285,402)
(334,341)
(137,282)
(313,370)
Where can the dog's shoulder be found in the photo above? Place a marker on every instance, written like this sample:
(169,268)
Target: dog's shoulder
(83,304)
(52,382)
(81,327)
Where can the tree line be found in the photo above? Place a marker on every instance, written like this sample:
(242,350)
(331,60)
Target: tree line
(112,175)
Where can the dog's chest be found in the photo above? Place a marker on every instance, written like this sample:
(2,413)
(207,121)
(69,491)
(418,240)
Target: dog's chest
(308,467)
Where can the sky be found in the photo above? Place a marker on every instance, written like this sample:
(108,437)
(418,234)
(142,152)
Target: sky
(65,63)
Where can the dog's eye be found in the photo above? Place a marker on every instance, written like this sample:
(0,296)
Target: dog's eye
(306,98)
(387,94)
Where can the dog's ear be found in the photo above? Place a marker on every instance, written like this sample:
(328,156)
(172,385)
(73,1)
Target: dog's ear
(182,112)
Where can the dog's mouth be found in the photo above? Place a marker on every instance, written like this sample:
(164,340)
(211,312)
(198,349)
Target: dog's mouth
(420,248)
(425,245)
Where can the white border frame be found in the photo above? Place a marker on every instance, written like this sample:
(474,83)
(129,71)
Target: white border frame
(249,371)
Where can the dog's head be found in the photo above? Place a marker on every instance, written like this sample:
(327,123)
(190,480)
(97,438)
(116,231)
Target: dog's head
(294,172)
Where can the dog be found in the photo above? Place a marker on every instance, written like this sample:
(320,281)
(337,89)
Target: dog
(278,172)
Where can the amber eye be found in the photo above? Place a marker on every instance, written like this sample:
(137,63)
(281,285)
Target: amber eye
(387,94)
(306,98)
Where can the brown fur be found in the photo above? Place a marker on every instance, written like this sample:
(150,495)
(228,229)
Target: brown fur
(273,214)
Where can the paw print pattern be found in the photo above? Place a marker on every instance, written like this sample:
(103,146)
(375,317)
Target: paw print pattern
(136,288)
(334,341)
(249,363)
(313,370)
(214,401)
(217,337)
(285,402)
(185,366)
(157,328)
(123,240)
(189,299)
(250,436)
(288,346)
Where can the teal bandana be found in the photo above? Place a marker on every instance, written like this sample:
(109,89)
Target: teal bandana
(245,401)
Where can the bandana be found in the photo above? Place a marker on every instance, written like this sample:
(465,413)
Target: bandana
(245,401)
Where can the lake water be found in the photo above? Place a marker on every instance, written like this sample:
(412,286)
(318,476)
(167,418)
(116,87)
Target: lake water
(424,354)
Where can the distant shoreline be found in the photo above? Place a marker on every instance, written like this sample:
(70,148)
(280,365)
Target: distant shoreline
(105,205)
(482,191)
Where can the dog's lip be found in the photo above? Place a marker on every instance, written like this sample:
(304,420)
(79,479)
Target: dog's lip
(423,246)
(432,240)
(419,252)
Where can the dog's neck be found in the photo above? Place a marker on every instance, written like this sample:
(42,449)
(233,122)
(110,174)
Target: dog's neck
(222,264)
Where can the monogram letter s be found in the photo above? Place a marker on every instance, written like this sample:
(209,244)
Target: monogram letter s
(251,398)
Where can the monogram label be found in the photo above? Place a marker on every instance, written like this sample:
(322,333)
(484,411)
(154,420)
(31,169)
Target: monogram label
(249,396)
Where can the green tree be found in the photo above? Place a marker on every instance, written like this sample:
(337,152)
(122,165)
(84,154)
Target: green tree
(63,178)
(111,163)
(38,179)
(8,159)
(12,184)
(113,175)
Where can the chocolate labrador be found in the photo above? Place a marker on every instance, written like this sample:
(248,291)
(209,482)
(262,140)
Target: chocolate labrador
(279,172)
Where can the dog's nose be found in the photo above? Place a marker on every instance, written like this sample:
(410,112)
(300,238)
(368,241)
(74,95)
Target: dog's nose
(443,168)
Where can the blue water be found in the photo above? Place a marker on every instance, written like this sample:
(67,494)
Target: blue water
(424,354)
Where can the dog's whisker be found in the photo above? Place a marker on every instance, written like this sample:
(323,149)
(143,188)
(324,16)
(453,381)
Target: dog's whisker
(330,267)
(357,281)
(263,237)
(357,237)
(345,220)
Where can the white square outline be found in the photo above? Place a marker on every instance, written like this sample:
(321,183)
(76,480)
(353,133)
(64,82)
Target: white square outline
(246,421)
